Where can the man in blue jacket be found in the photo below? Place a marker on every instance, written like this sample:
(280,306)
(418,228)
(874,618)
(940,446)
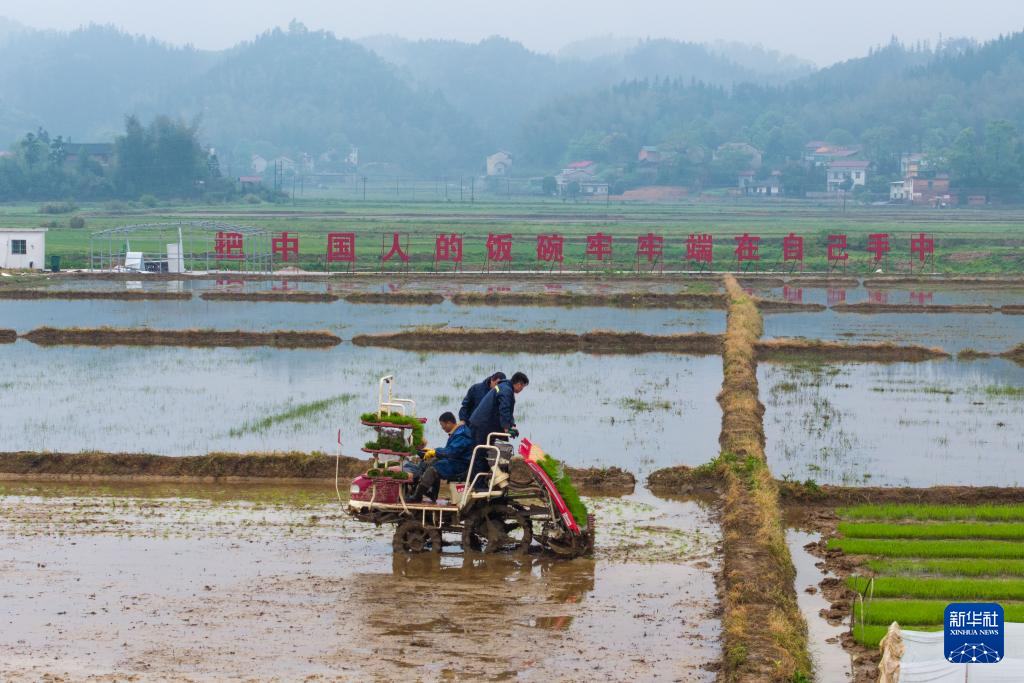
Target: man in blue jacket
(476,394)
(496,411)
(450,463)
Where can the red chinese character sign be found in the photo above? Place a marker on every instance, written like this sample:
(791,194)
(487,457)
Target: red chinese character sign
(700,249)
(650,248)
(793,250)
(283,246)
(878,246)
(549,250)
(228,246)
(341,248)
(747,249)
(599,248)
(922,246)
(836,296)
(793,295)
(448,248)
(499,250)
(837,254)
(391,249)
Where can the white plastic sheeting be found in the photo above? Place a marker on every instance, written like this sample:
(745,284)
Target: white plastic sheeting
(918,657)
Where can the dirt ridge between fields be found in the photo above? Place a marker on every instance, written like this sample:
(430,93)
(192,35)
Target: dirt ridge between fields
(682,300)
(269,467)
(113,336)
(764,632)
(469,340)
(271,296)
(8,336)
(784,349)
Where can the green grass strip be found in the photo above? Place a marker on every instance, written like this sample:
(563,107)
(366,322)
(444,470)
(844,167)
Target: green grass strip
(871,635)
(299,412)
(913,614)
(951,590)
(1005,530)
(981,513)
(959,567)
(913,548)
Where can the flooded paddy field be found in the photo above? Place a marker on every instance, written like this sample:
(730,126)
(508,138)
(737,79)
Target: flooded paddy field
(900,424)
(343,318)
(637,412)
(202,584)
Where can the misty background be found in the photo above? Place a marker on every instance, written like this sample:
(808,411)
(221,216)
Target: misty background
(391,105)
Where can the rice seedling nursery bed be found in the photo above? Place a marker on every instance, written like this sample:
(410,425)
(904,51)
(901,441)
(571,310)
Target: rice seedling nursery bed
(909,561)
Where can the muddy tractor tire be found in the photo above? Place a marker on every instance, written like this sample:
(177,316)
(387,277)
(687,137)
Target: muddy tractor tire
(412,536)
(497,528)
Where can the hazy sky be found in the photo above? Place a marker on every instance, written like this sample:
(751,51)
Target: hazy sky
(815,29)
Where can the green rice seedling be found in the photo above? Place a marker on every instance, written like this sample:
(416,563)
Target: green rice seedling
(299,412)
(871,635)
(996,390)
(916,548)
(915,613)
(996,513)
(1005,530)
(951,590)
(958,567)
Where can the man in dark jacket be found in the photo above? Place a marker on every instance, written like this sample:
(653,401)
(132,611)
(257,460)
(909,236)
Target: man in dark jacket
(496,411)
(476,393)
(450,463)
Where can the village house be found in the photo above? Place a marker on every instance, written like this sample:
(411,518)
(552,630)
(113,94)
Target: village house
(258,164)
(846,172)
(576,172)
(824,154)
(22,248)
(649,155)
(499,163)
(751,186)
(100,152)
(932,191)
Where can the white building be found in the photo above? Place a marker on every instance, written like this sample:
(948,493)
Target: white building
(499,163)
(854,173)
(22,248)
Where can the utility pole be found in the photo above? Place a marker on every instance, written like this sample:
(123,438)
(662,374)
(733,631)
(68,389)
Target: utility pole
(364,188)
(472,189)
(445,189)
(460,188)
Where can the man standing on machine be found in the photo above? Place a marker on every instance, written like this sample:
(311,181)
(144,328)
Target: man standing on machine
(496,411)
(476,394)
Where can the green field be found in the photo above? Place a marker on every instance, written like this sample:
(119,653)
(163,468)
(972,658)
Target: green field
(967,240)
(924,557)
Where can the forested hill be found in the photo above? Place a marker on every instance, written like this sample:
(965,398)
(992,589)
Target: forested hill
(437,107)
(895,99)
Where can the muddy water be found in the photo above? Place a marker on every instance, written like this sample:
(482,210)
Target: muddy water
(202,588)
(639,413)
(345,319)
(831,661)
(950,331)
(904,424)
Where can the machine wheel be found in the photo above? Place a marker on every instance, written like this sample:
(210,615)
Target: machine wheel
(412,537)
(497,528)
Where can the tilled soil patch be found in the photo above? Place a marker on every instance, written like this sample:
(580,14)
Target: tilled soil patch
(79,295)
(972,282)
(112,336)
(868,307)
(289,297)
(796,494)
(570,299)
(881,352)
(778,306)
(469,340)
(1012,309)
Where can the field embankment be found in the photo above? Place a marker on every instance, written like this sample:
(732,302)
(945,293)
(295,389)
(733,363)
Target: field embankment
(818,350)
(682,300)
(396,298)
(469,340)
(780,306)
(8,336)
(272,296)
(872,308)
(238,467)
(82,295)
(765,636)
(113,336)
(1016,354)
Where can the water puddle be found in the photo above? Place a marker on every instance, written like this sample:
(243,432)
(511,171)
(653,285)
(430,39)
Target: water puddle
(831,661)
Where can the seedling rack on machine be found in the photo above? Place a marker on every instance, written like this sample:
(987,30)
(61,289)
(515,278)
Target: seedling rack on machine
(506,501)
